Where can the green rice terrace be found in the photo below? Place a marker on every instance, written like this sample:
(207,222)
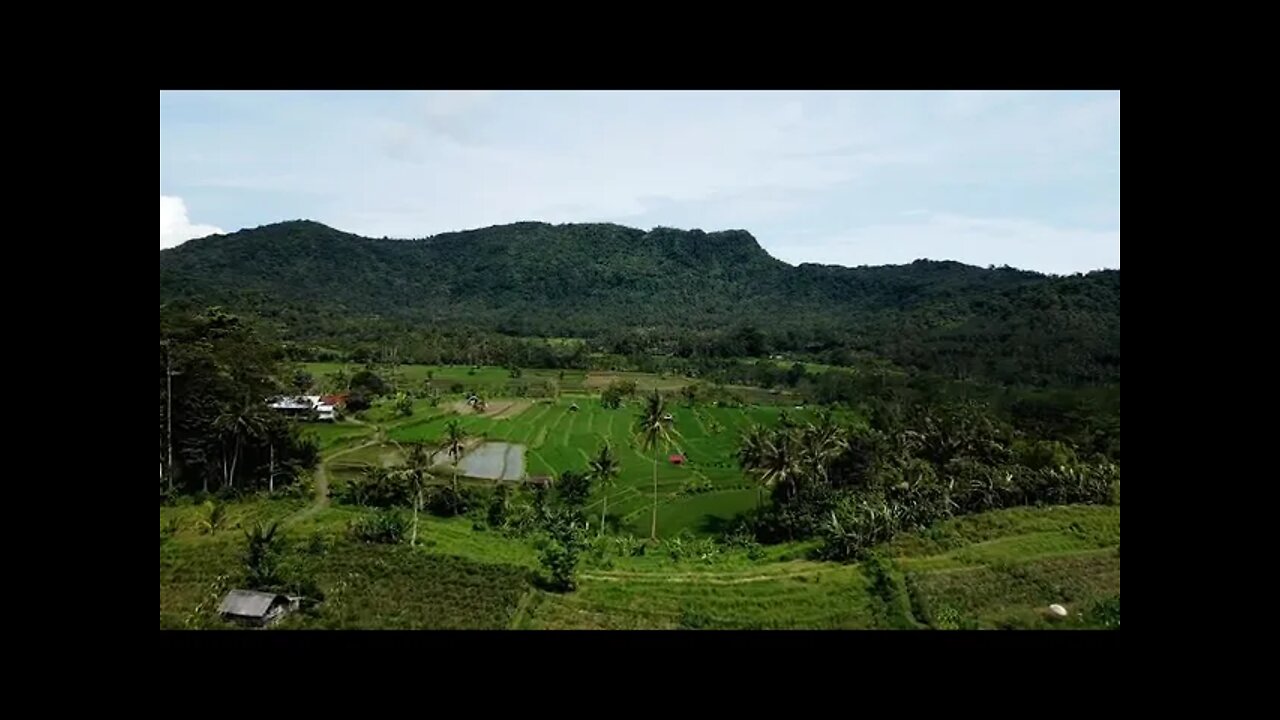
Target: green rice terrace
(473,567)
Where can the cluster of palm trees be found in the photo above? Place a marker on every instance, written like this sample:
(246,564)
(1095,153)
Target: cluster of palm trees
(238,426)
(860,486)
(791,454)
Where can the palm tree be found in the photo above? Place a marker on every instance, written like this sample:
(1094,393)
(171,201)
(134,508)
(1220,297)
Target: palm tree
(454,440)
(418,462)
(751,452)
(820,444)
(654,431)
(235,425)
(774,459)
(604,470)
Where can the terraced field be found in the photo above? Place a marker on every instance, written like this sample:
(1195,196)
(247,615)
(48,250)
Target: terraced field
(559,438)
(995,570)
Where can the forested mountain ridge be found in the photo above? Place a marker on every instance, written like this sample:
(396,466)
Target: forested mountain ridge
(590,280)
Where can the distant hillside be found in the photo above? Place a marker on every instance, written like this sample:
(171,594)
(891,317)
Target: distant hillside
(586,280)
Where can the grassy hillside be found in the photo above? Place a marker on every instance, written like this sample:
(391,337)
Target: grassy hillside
(999,569)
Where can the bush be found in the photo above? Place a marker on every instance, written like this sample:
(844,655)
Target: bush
(499,504)
(386,527)
(444,501)
(215,518)
(630,546)
(893,605)
(404,405)
(856,525)
(263,549)
(378,487)
(565,539)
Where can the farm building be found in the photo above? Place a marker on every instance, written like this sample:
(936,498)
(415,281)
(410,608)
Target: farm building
(255,608)
(676,459)
(310,406)
(540,481)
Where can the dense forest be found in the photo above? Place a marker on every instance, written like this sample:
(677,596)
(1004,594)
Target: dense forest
(465,297)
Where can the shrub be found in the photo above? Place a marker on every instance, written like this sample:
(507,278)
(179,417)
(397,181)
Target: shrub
(565,539)
(263,549)
(387,527)
(444,501)
(377,487)
(1104,613)
(215,518)
(404,405)
(630,546)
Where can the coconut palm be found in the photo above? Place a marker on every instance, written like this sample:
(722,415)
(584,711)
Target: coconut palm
(454,444)
(751,452)
(654,431)
(234,426)
(775,460)
(820,444)
(418,461)
(604,469)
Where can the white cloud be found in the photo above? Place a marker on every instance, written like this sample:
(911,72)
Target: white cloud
(176,227)
(1019,243)
(797,169)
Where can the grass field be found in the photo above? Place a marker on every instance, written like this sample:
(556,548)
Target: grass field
(995,570)
(492,381)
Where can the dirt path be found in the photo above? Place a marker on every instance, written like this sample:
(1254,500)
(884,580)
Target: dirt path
(322,475)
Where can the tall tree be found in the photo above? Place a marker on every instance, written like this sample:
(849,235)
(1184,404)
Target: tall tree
(455,445)
(654,430)
(418,466)
(236,425)
(604,468)
(774,458)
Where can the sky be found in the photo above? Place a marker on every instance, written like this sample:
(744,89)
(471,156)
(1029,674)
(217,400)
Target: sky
(1027,179)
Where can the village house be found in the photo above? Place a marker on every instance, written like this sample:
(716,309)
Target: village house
(256,608)
(305,406)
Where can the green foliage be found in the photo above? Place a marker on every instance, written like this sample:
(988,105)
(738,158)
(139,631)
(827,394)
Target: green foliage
(1104,613)
(302,381)
(215,371)
(262,555)
(387,527)
(214,519)
(450,501)
(857,487)
(403,405)
(499,505)
(619,286)
(369,384)
(565,539)
(377,487)
(893,606)
(573,489)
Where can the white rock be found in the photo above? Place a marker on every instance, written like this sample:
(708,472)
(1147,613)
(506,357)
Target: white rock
(1058,610)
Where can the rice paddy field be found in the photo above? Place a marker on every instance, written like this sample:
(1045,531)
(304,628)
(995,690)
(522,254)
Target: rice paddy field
(994,570)
(555,437)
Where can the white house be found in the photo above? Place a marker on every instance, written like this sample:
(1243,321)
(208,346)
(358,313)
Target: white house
(305,405)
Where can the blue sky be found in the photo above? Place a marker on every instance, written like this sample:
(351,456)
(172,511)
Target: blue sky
(1028,179)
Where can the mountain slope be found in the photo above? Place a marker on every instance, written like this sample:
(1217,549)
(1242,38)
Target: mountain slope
(589,279)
